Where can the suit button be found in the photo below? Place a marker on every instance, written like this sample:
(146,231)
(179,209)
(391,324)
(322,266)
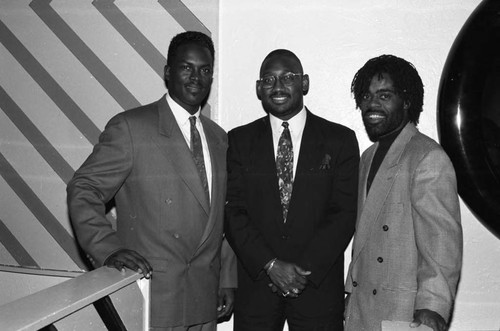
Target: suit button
(374,292)
(284,237)
(354,283)
(385,228)
(380,260)
(176,236)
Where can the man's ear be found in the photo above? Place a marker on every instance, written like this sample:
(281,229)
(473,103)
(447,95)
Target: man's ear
(305,84)
(166,73)
(258,90)
(406,105)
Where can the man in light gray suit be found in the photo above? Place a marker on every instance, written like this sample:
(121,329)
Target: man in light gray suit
(165,166)
(407,249)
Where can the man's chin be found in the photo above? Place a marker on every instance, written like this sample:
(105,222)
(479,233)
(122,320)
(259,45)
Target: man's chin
(275,111)
(196,100)
(373,135)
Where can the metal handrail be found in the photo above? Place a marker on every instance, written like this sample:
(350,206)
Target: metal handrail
(52,304)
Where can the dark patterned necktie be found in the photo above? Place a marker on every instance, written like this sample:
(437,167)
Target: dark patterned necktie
(197,151)
(284,167)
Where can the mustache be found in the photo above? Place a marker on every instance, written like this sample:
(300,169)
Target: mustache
(279,94)
(194,83)
(372,111)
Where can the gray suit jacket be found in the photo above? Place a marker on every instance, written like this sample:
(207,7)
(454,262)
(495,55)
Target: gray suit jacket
(407,249)
(142,160)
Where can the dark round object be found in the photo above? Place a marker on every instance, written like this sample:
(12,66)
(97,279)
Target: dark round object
(469,112)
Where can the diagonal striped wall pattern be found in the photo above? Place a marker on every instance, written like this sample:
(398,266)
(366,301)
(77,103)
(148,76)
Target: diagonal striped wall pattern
(66,67)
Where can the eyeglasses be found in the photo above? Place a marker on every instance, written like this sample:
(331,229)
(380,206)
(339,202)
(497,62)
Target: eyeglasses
(287,79)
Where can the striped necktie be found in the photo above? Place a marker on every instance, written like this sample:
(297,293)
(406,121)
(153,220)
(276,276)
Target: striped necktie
(197,152)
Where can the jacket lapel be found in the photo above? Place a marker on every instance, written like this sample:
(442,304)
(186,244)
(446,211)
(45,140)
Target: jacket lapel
(264,163)
(171,142)
(310,147)
(217,157)
(310,150)
(372,203)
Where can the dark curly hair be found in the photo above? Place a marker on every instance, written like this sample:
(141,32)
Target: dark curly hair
(405,78)
(189,37)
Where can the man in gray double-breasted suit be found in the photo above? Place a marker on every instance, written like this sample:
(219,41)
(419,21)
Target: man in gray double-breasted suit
(407,249)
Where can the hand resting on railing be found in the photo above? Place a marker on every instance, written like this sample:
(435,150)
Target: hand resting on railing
(130,259)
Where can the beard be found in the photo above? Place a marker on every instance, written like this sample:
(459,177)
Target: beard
(374,132)
(392,122)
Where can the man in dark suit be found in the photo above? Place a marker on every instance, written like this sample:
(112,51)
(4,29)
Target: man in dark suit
(167,174)
(291,207)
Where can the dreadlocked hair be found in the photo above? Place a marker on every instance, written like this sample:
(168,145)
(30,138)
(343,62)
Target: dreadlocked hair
(405,78)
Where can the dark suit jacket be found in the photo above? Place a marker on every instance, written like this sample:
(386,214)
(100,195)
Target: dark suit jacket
(321,215)
(143,161)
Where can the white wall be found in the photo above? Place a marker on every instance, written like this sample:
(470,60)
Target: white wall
(334,38)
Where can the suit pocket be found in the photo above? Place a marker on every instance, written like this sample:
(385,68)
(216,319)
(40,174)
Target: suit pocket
(399,305)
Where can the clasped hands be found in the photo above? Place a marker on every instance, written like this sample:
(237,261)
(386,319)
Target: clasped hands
(287,279)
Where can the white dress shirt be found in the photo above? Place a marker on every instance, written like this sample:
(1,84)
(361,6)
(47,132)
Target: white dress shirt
(182,119)
(296,126)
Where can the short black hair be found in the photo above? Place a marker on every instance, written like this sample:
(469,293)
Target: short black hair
(405,78)
(282,53)
(189,37)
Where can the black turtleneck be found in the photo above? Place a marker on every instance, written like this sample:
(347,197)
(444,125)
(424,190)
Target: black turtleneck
(383,146)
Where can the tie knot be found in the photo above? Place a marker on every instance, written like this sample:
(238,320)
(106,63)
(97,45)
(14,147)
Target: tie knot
(285,125)
(192,119)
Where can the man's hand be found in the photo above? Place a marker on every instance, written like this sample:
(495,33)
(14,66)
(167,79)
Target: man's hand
(289,278)
(429,318)
(225,303)
(130,259)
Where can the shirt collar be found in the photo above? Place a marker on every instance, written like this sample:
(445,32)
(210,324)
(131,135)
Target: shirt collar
(295,123)
(389,139)
(181,115)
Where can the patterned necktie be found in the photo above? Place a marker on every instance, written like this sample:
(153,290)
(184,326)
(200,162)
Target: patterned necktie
(197,152)
(284,167)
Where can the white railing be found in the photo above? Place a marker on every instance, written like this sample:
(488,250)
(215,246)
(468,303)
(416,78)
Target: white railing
(52,304)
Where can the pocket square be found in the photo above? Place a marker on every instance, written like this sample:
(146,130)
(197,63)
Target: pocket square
(325,163)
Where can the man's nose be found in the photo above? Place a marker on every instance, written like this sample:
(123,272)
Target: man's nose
(374,102)
(278,84)
(195,74)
